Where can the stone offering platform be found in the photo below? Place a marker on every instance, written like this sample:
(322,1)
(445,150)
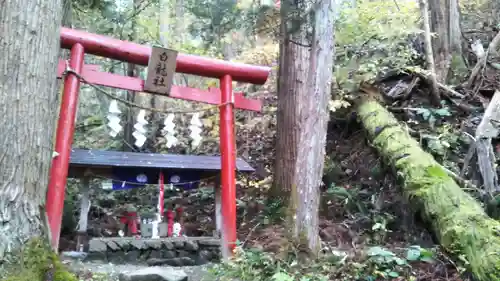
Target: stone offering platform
(178,251)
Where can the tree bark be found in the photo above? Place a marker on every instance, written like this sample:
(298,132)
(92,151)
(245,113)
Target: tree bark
(458,221)
(305,76)
(447,47)
(164,20)
(441,42)
(424,7)
(455,31)
(131,72)
(29,44)
(486,160)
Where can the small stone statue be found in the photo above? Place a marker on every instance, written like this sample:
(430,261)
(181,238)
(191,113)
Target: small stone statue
(176,231)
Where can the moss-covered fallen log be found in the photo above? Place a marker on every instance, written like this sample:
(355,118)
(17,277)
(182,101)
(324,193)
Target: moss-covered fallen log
(457,219)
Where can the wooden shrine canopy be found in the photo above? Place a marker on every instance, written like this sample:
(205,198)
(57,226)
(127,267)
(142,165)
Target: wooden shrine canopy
(123,166)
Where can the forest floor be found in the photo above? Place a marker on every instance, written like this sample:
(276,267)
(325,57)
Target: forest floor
(95,271)
(361,204)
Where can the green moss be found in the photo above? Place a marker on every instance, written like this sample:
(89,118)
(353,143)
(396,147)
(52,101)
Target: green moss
(34,261)
(458,220)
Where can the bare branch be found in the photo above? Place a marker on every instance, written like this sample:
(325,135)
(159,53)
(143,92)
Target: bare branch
(424,8)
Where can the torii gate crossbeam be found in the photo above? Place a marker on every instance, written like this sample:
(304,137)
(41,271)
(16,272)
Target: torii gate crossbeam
(82,43)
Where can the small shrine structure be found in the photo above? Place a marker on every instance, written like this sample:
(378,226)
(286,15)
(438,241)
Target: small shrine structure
(162,64)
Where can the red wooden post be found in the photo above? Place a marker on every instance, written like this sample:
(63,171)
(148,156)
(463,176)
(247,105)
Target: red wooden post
(228,166)
(64,139)
(170,220)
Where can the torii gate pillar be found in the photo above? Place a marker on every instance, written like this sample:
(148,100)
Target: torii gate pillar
(228,164)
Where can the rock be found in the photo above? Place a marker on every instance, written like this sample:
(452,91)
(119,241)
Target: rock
(209,242)
(168,244)
(178,244)
(138,244)
(132,256)
(182,261)
(191,246)
(168,254)
(154,274)
(112,245)
(101,256)
(155,254)
(206,255)
(154,243)
(97,245)
(74,255)
(187,261)
(124,244)
(156,261)
(182,253)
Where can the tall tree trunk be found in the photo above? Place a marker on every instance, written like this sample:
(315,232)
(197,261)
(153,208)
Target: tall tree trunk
(164,21)
(305,77)
(29,45)
(424,8)
(441,43)
(131,72)
(67,14)
(445,22)
(455,33)
(180,25)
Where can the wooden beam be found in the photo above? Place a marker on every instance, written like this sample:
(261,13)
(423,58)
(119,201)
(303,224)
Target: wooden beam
(93,75)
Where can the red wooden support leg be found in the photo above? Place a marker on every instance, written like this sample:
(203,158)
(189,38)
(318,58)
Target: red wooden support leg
(64,139)
(132,223)
(228,167)
(170,220)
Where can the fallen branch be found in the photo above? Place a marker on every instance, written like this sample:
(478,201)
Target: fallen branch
(449,91)
(402,89)
(459,222)
(484,149)
(481,63)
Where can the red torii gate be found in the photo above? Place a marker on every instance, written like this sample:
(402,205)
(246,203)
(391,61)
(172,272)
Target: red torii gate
(81,42)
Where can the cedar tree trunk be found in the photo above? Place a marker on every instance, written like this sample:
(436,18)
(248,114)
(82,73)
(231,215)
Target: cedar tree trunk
(29,46)
(305,77)
(445,23)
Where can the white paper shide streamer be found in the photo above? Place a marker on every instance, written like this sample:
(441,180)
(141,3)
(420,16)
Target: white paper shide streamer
(114,119)
(140,130)
(196,130)
(169,131)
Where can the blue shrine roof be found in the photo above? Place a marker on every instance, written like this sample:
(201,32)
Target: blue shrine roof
(107,158)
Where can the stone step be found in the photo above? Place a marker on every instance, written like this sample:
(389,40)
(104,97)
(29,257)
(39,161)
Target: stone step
(176,251)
